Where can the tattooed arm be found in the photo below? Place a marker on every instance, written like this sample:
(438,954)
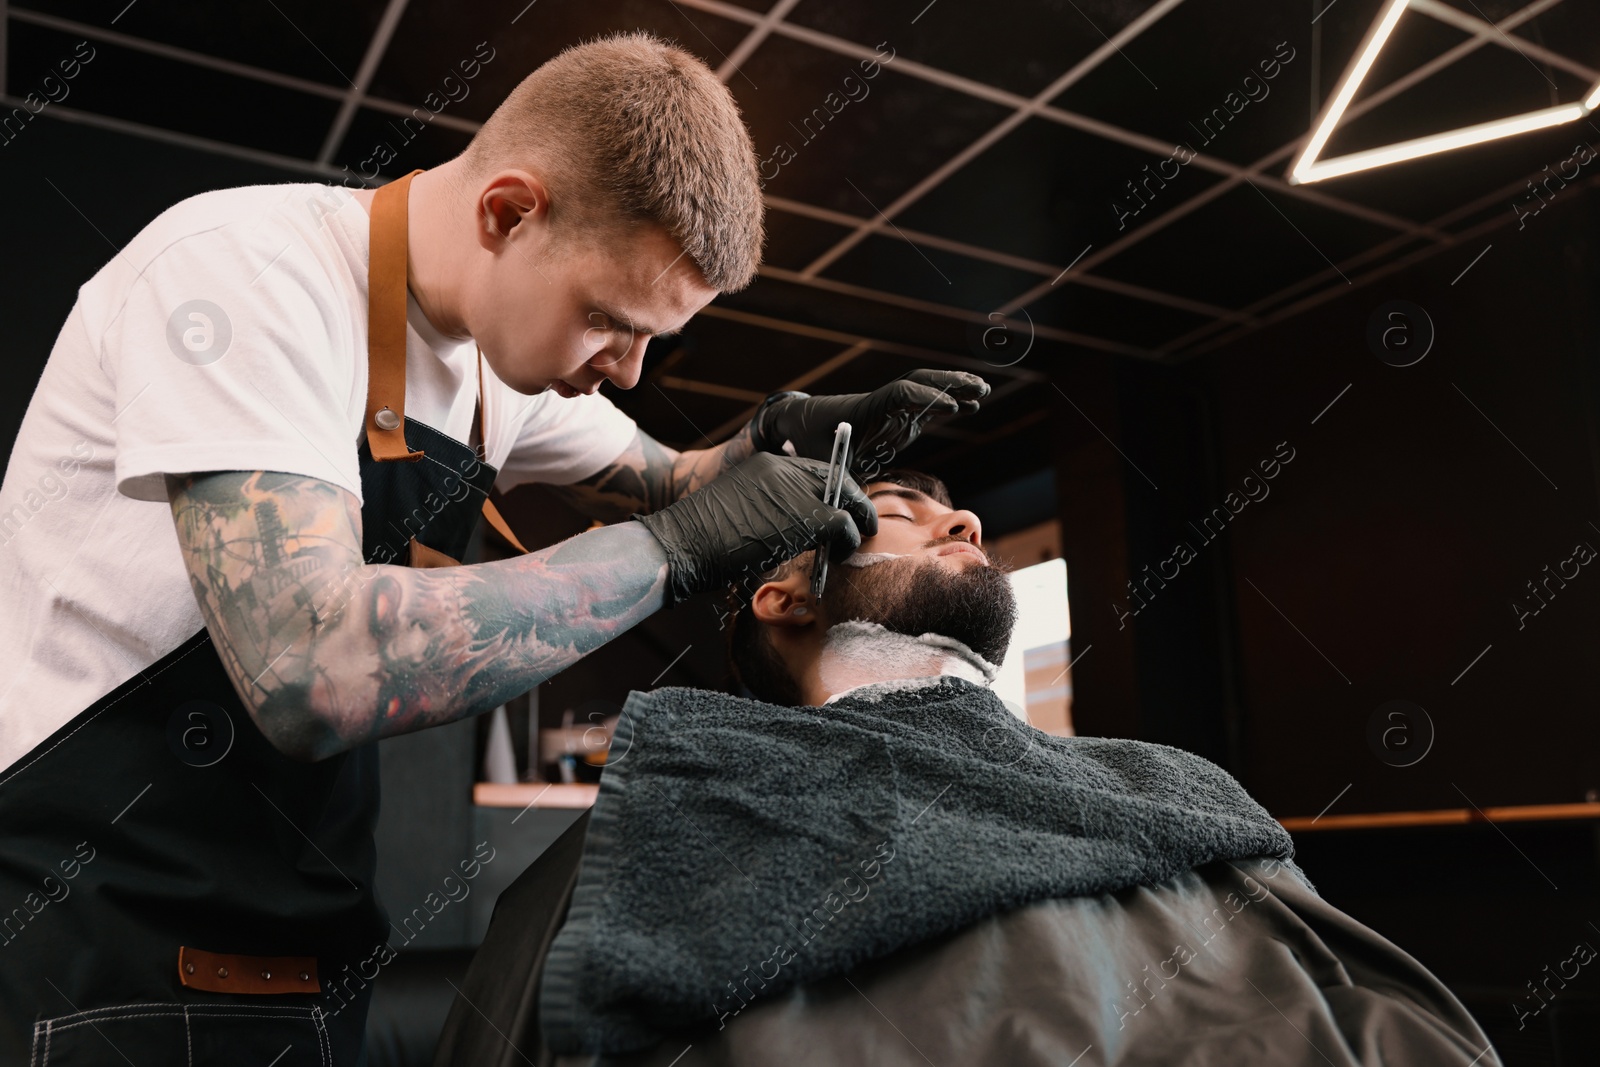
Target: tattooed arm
(648,476)
(328,652)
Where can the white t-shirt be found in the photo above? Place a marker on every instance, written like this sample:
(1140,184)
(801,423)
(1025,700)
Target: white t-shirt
(93,587)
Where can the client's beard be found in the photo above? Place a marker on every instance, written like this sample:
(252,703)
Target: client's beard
(916,595)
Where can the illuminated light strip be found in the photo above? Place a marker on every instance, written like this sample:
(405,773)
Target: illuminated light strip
(1334,109)
(1308,168)
(1443,142)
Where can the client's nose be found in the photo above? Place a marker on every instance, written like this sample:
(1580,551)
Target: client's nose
(961,524)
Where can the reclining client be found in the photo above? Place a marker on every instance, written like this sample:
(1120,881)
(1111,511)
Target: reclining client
(871,860)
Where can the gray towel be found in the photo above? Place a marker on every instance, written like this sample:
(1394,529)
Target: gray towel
(738,848)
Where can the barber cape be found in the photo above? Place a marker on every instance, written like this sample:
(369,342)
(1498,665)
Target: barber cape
(738,848)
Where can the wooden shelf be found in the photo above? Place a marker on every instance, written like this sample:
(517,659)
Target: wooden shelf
(582,795)
(535,795)
(1442,817)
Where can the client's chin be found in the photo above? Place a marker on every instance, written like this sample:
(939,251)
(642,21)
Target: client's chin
(917,595)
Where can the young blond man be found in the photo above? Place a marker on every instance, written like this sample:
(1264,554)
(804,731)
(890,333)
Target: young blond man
(284,407)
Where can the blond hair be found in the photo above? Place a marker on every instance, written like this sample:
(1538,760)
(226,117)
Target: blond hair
(629,129)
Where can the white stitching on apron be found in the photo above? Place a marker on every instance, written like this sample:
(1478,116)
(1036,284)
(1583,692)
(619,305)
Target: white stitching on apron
(33,1057)
(237,1011)
(323,1046)
(19,769)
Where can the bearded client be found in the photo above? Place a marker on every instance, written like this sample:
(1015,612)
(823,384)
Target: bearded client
(872,861)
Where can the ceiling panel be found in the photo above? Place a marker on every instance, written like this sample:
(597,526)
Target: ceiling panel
(1240,98)
(317,41)
(831,137)
(853,315)
(832,141)
(864,373)
(1570,28)
(396,143)
(1112,315)
(745,357)
(171,94)
(925,273)
(795,240)
(1045,191)
(676,417)
(436,36)
(1243,247)
(1020,47)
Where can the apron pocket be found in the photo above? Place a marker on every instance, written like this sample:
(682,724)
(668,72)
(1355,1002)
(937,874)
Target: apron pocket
(152,1034)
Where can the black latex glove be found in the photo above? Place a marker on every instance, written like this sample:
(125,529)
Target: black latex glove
(764,511)
(882,422)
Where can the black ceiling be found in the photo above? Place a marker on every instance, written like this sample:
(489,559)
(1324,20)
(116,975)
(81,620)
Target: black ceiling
(966,205)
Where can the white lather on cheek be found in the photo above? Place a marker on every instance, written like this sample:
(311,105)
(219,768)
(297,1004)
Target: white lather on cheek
(867,559)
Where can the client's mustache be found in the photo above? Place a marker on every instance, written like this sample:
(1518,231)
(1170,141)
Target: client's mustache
(952,539)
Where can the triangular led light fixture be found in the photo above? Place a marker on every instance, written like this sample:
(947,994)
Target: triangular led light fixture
(1311,168)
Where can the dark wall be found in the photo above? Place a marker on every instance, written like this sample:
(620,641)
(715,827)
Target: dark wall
(1375,565)
(1391,546)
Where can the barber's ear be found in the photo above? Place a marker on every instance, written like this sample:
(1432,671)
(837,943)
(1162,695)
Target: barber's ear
(783,604)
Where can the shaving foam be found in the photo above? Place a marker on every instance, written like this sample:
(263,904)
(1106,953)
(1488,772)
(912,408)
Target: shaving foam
(867,559)
(859,653)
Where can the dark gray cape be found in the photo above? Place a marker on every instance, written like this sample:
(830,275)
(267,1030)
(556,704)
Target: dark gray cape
(739,848)
(1041,900)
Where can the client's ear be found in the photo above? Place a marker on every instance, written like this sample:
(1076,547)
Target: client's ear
(785,603)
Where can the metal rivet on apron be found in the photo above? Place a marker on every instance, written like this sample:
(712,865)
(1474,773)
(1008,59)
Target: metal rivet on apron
(304,977)
(222,972)
(266,975)
(188,968)
(386,419)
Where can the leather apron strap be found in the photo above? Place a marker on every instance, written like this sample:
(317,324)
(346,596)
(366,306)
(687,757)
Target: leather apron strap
(480,420)
(386,322)
(386,340)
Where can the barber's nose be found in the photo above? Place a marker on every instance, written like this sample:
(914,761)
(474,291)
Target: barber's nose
(624,371)
(962,524)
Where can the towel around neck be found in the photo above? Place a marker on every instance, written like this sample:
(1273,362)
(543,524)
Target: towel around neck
(738,848)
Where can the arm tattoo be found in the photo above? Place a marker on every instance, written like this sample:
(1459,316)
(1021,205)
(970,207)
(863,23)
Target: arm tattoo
(649,476)
(328,652)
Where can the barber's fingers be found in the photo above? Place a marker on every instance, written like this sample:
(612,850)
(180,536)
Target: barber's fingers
(943,392)
(854,502)
(838,532)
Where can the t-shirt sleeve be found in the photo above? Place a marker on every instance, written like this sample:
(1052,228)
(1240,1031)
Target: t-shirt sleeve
(232,352)
(563,441)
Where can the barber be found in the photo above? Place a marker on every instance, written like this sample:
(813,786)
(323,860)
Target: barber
(254,575)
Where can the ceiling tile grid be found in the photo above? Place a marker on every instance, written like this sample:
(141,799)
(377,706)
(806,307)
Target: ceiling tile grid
(947,184)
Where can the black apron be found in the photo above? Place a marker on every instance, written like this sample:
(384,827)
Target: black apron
(173,889)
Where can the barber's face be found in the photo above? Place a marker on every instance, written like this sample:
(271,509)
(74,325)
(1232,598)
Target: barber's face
(563,312)
(939,580)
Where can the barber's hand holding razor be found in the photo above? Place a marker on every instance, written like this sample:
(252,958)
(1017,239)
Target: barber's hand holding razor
(764,511)
(884,421)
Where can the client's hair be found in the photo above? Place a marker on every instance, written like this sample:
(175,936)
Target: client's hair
(753,660)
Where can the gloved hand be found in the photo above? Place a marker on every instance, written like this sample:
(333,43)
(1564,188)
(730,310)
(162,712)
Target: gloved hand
(764,511)
(882,422)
